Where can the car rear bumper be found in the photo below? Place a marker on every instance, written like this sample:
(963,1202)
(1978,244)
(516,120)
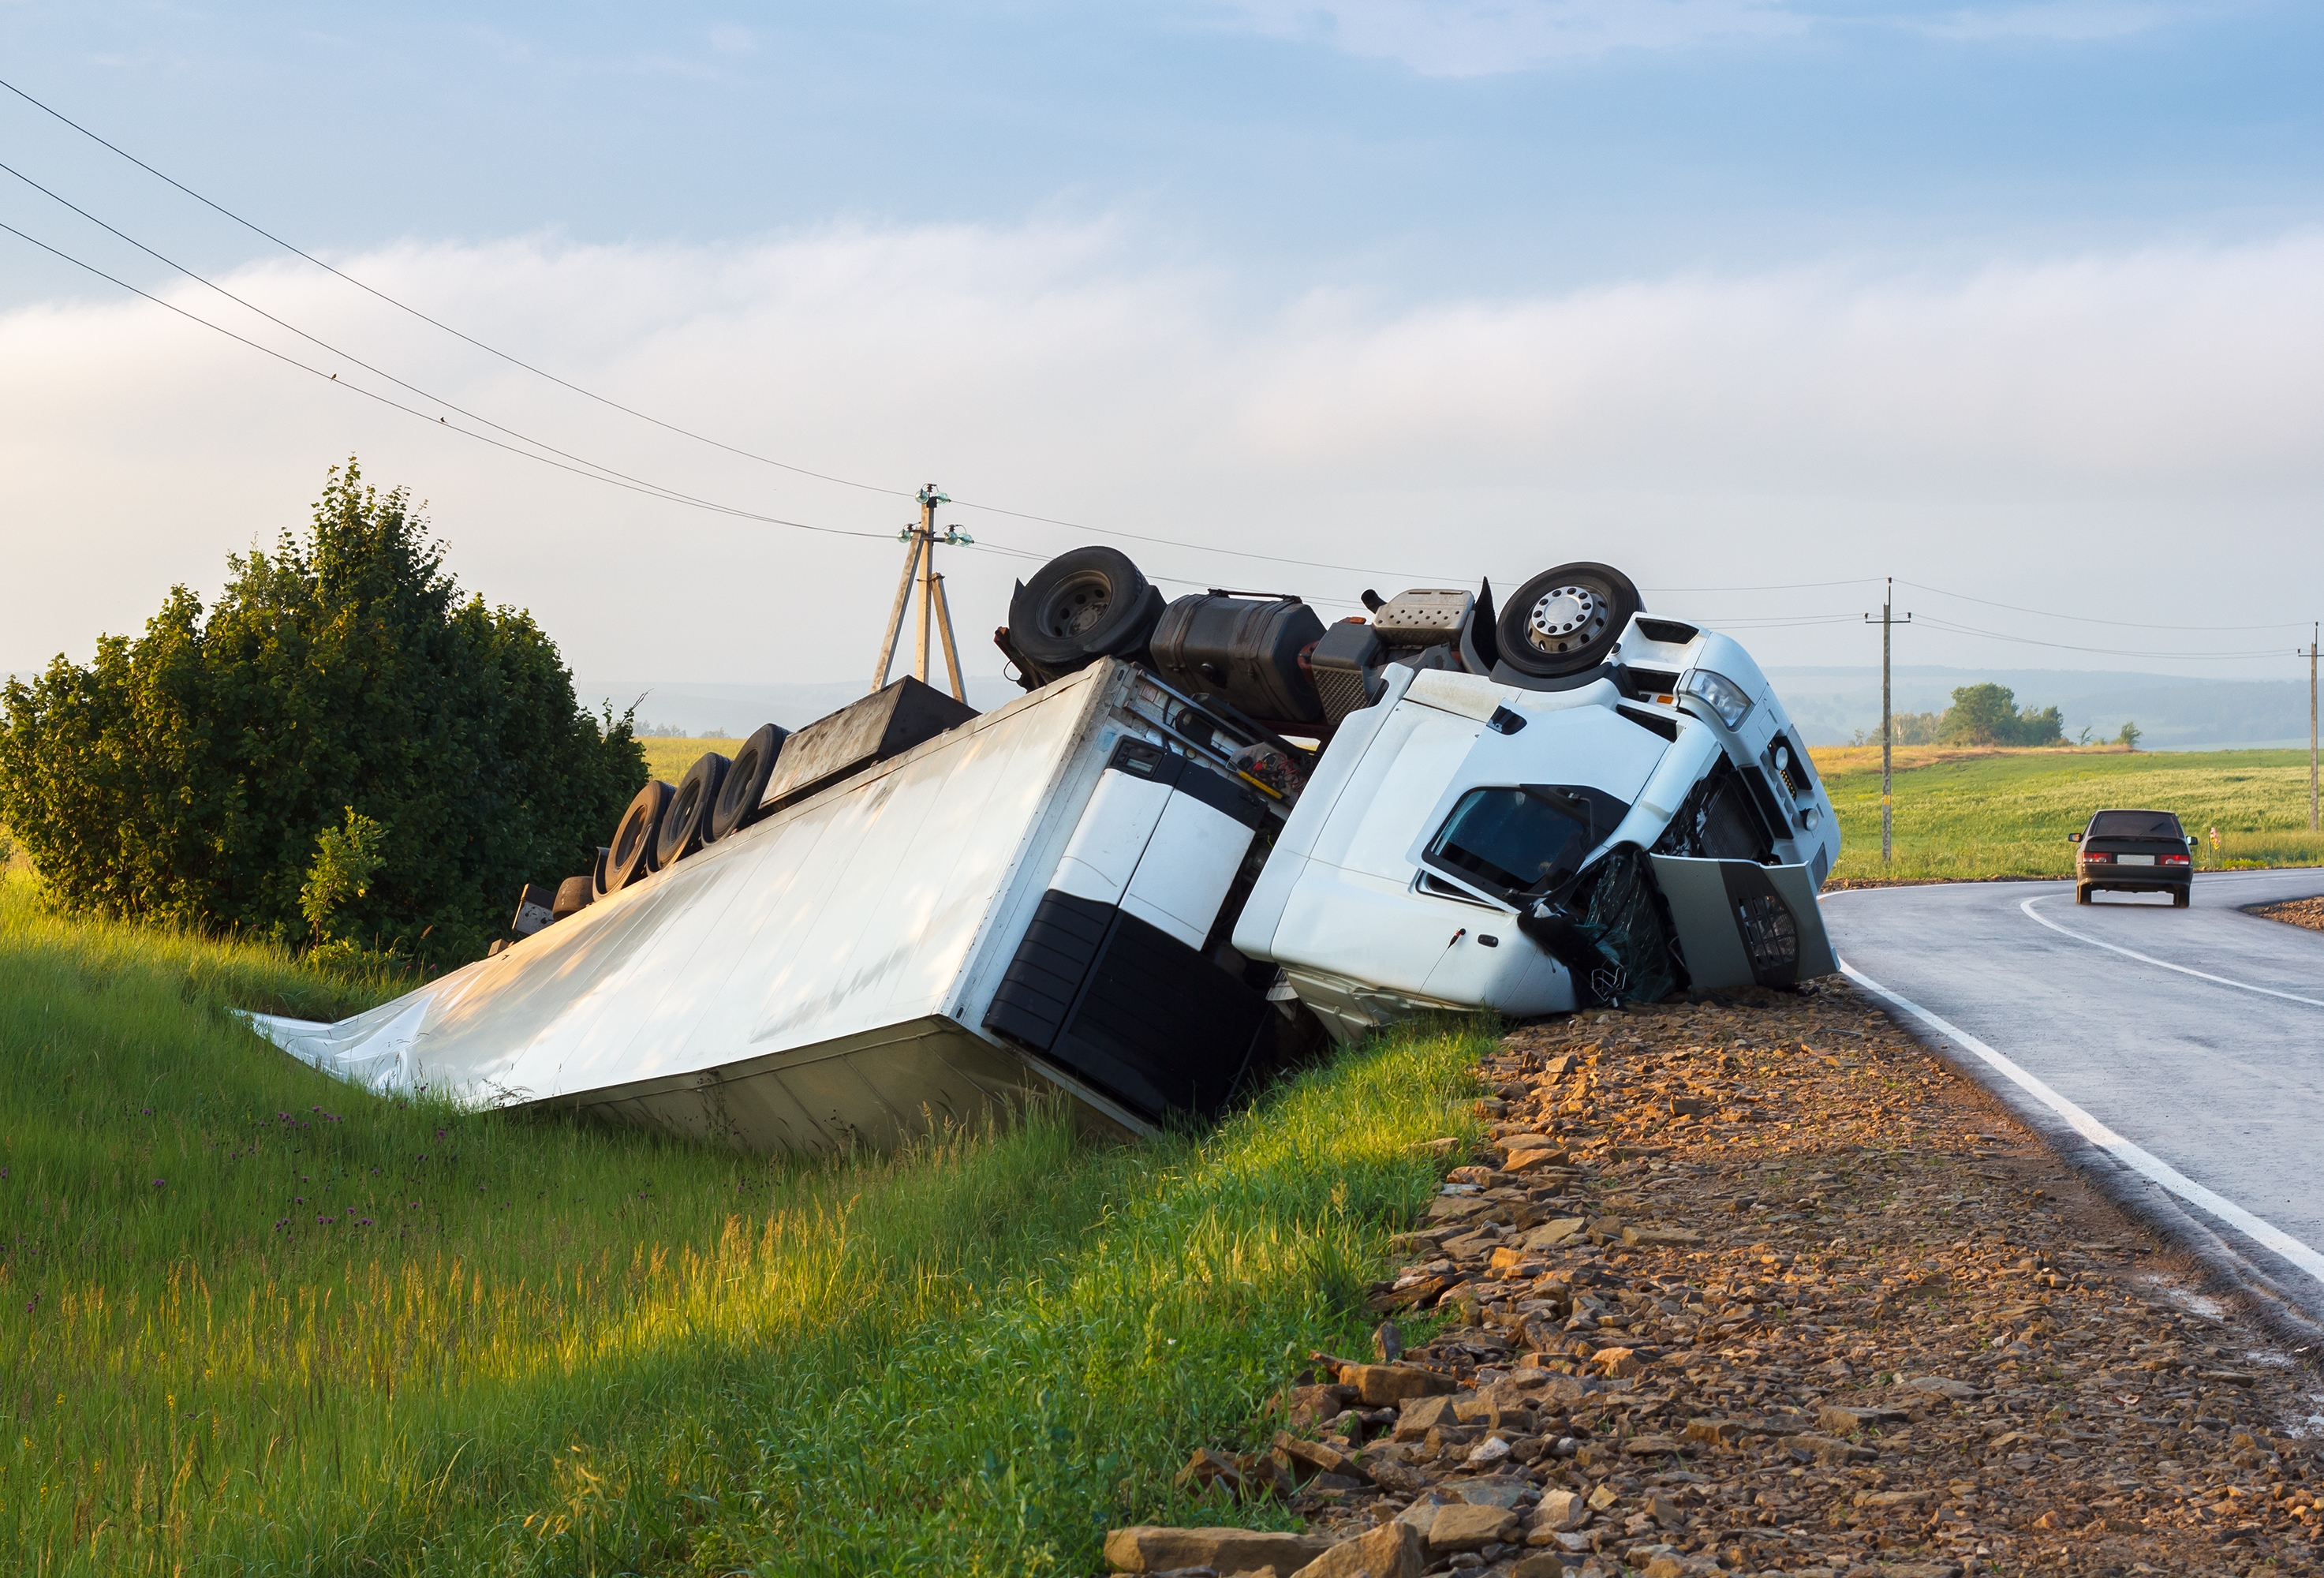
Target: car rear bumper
(2134,879)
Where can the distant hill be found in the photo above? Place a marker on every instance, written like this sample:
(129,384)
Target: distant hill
(2172,712)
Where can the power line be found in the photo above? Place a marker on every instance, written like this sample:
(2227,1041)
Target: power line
(599,472)
(2111,651)
(438,323)
(659,488)
(651,490)
(2086,619)
(1786,586)
(682,431)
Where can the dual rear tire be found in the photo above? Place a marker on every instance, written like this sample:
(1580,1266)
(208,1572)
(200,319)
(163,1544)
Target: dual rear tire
(664,823)
(686,826)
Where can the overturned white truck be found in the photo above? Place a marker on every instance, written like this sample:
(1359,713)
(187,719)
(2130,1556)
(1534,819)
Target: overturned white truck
(1209,832)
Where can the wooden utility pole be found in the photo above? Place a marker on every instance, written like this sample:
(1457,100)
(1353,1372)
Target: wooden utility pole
(920,565)
(2312,728)
(1887,729)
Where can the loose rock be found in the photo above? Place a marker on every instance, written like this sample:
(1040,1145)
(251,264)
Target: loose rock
(1774,1291)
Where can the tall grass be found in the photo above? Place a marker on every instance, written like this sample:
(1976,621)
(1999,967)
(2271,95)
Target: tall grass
(2006,813)
(251,1320)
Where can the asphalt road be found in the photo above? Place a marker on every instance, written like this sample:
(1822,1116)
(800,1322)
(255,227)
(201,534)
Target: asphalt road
(2188,1044)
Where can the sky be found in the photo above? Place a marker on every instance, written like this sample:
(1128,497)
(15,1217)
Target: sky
(2019,304)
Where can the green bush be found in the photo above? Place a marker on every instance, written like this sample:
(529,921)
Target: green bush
(186,774)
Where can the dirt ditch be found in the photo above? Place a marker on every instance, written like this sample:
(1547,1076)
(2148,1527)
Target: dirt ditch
(1767,1286)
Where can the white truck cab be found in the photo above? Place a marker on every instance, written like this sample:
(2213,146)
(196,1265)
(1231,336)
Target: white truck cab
(1453,810)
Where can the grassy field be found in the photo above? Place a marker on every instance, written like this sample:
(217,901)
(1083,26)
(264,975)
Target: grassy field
(252,1321)
(668,756)
(1961,813)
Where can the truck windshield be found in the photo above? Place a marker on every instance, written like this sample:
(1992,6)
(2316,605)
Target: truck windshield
(1513,841)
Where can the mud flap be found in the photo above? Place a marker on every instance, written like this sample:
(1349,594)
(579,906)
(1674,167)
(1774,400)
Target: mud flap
(1743,924)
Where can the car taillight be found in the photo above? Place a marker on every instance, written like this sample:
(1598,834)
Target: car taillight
(2176,860)
(2091,857)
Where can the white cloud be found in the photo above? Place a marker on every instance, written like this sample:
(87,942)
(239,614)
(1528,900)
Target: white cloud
(1479,38)
(2131,431)
(1473,38)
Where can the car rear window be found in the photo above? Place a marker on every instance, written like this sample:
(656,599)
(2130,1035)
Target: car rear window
(1518,841)
(2135,825)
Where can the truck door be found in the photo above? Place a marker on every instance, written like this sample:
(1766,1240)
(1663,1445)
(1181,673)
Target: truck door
(1113,982)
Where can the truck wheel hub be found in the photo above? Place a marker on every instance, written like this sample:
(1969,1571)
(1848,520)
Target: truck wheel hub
(1077,604)
(1566,617)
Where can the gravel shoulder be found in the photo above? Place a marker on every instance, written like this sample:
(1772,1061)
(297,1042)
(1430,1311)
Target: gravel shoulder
(2307,912)
(1764,1285)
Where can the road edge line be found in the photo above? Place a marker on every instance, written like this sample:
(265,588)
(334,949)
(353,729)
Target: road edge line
(2028,909)
(2279,1308)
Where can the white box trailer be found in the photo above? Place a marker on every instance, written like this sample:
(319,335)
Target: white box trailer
(829,977)
(1126,889)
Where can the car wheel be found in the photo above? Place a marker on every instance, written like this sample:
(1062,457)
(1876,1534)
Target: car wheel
(635,837)
(2081,892)
(1089,604)
(1566,621)
(2181,898)
(686,822)
(738,792)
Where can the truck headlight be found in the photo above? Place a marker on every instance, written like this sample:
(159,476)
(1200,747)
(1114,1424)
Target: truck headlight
(1720,694)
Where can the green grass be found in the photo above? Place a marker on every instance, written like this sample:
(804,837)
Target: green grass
(556,1349)
(668,756)
(2006,813)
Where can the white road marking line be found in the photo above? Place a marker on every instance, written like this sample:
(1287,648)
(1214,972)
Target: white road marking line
(2138,1160)
(2149,959)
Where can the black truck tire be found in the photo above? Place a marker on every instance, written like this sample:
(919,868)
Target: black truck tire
(632,855)
(1089,604)
(574,894)
(686,826)
(1566,621)
(597,874)
(738,792)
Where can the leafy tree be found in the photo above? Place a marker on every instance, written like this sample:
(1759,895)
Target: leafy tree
(1988,715)
(1982,715)
(2130,736)
(1906,728)
(186,773)
(2040,728)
